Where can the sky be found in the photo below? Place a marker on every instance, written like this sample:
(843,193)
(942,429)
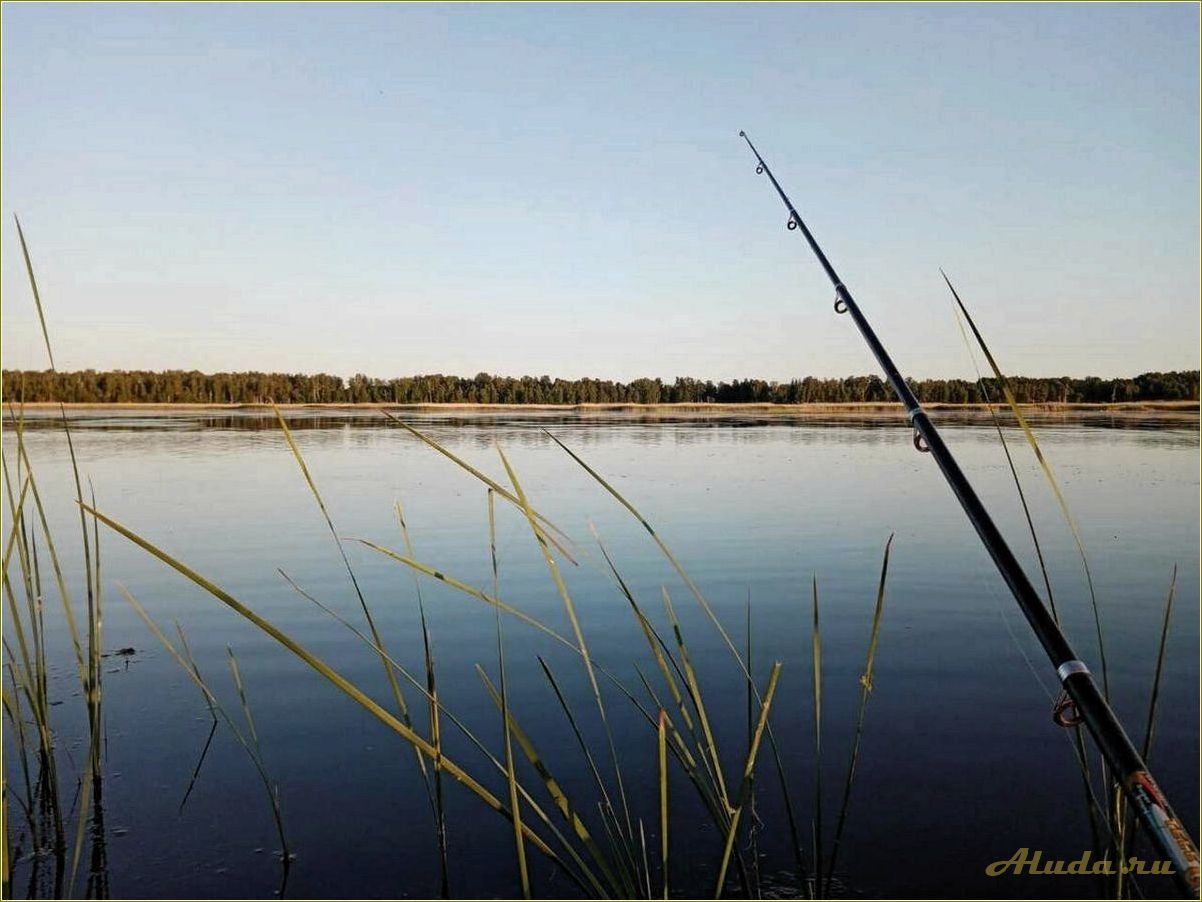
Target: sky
(560,189)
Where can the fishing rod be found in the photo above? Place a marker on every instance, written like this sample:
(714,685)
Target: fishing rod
(1081,701)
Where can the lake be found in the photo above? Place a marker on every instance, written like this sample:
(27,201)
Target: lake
(960,763)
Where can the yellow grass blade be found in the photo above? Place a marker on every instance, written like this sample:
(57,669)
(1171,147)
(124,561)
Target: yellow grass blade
(663,796)
(694,686)
(435,790)
(553,786)
(676,565)
(471,737)
(570,606)
(60,580)
(511,775)
(506,732)
(397,694)
(1150,729)
(1046,466)
(816,686)
(33,284)
(557,577)
(186,660)
(713,617)
(468,590)
(866,687)
(321,667)
(492,484)
(745,785)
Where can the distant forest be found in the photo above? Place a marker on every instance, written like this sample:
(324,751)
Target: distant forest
(190,387)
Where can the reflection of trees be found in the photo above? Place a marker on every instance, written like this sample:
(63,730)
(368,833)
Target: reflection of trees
(483,429)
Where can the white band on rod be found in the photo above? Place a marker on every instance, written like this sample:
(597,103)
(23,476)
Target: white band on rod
(1068,668)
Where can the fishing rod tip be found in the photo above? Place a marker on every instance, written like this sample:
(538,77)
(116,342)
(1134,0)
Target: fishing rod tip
(742,134)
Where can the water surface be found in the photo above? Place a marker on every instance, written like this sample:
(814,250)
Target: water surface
(960,765)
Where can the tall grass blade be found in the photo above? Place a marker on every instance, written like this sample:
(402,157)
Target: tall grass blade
(744,793)
(397,694)
(33,284)
(1129,826)
(866,687)
(816,687)
(95,647)
(662,748)
(713,617)
(183,656)
(541,537)
(1048,473)
(753,842)
(85,802)
(204,754)
(60,579)
(37,299)
(5,868)
(1150,729)
(1018,486)
(688,580)
(463,587)
(435,791)
(646,860)
(510,773)
(324,670)
(673,678)
(492,484)
(16,717)
(608,813)
(710,748)
(241,688)
(585,873)
(555,790)
(1081,754)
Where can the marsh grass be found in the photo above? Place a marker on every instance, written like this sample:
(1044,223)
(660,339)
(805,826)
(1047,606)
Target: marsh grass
(612,861)
(54,860)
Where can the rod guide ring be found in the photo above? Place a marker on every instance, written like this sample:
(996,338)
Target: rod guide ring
(1065,712)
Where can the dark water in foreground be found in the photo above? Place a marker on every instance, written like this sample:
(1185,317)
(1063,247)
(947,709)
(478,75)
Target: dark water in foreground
(960,764)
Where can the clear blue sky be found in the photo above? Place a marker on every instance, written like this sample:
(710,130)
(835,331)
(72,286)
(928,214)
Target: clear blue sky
(561,189)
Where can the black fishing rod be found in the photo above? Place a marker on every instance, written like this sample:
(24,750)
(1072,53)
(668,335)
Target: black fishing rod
(1082,702)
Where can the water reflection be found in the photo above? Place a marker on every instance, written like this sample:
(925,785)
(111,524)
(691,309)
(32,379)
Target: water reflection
(258,419)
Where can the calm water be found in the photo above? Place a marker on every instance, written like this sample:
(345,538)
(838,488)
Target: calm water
(960,764)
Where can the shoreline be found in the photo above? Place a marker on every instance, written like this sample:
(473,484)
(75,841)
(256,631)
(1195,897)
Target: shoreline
(1135,408)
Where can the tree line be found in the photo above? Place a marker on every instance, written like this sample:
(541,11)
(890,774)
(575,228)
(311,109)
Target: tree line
(192,387)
